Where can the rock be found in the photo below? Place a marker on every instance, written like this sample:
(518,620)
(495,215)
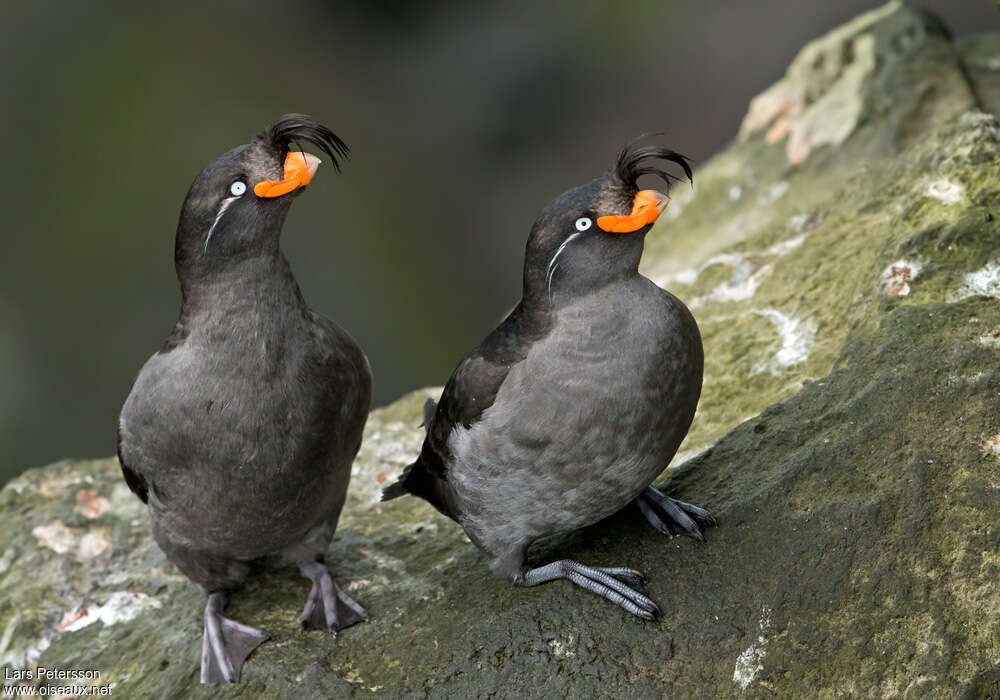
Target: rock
(843,260)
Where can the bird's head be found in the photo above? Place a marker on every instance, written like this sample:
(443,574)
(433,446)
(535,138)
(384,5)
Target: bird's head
(237,205)
(593,234)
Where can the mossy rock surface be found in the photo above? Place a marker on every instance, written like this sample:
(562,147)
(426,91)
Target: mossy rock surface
(842,257)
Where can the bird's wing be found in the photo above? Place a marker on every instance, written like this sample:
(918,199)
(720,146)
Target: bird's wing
(474,384)
(134,479)
(346,362)
(472,388)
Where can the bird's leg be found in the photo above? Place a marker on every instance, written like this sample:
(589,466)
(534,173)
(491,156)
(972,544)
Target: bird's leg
(226,643)
(327,607)
(673,517)
(617,584)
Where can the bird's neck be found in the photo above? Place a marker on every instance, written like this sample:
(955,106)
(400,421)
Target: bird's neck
(251,282)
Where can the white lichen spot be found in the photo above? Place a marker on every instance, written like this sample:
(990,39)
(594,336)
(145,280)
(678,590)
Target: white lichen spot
(774,193)
(19,658)
(122,606)
(945,191)
(991,446)
(93,544)
(797,338)
(983,282)
(740,287)
(735,192)
(83,544)
(56,536)
(751,662)
(990,340)
(745,278)
(687,276)
(799,222)
(563,649)
(786,246)
(897,276)
(957,379)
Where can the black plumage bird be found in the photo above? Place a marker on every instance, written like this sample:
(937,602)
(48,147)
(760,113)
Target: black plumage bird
(571,408)
(240,432)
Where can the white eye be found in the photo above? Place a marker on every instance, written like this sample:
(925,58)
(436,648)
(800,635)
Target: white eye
(238,188)
(583,223)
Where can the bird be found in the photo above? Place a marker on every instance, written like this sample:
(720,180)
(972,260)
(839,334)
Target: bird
(570,409)
(240,431)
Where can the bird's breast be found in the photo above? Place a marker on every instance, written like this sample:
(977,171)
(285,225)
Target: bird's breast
(586,421)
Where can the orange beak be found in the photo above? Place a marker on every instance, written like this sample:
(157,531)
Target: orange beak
(646,207)
(299,170)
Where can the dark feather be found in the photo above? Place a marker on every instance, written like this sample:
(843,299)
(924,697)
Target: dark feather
(633,163)
(134,480)
(296,127)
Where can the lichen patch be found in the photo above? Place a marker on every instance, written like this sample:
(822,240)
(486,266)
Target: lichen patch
(896,277)
(982,282)
(89,504)
(63,540)
(786,246)
(797,338)
(991,445)
(56,536)
(121,606)
(820,100)
(740,287)
(991,339)
(751,662)
(93,544)
(945,191)
(773,193)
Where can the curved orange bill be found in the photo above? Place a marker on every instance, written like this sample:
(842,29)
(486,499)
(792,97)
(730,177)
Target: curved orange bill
(299,170)
(646,207)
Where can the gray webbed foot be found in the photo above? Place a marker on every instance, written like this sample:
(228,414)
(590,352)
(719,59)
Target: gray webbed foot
(620,585)
(327,607)
(673,517)
(226,643)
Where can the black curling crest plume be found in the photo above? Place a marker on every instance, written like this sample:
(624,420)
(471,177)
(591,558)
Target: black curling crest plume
(635,161)
(290,128)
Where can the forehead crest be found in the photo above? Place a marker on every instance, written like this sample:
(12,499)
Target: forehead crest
(621,183)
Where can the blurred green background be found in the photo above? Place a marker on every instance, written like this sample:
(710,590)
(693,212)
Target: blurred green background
(463,118)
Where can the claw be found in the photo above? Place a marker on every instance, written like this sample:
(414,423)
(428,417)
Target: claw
(673,517)
(327,606)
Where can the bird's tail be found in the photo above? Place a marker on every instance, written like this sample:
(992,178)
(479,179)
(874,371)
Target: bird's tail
(403,485)
(399,487)
(429,408)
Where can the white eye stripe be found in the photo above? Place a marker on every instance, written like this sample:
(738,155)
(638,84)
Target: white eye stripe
(222,210)
(238,188)
(583,223)
(553,264)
